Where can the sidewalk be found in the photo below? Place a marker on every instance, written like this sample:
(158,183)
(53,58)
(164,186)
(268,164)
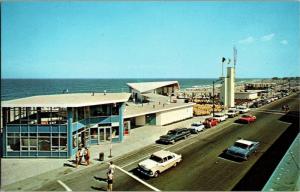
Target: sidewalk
(14,170)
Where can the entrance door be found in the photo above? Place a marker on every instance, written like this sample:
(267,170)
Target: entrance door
(104,134)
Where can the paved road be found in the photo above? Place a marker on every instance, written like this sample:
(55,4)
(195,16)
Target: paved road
(202,168)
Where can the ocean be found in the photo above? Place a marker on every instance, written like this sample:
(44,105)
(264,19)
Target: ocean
(18,88)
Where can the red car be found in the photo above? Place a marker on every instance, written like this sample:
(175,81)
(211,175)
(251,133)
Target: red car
(210,122)
(247,119)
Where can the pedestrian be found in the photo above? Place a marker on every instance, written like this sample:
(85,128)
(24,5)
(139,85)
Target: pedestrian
(111,167)
(87,156)
(79,156)
(109,180)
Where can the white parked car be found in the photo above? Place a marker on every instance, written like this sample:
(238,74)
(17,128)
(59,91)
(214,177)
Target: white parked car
(232,112)
(197,127)
(159,162)
(242,109)
(221,116)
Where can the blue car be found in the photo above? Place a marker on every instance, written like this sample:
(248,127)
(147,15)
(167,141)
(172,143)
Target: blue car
(242,149)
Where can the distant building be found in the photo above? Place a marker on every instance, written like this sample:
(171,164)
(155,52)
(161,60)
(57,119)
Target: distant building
(139,90)
(246,95)
(56,125)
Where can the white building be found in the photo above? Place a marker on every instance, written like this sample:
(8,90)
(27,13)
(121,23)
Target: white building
(227,89)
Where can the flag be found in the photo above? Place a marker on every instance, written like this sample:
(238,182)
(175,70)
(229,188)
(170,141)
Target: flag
(228,61)
(223,59)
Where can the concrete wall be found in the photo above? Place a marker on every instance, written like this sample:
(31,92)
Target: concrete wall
(166,117)
(140,120)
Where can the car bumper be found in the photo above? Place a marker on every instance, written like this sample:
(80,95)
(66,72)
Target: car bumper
(147,173)
(236,156)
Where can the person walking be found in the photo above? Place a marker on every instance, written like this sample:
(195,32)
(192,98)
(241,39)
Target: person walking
(87,156)
(109,180)
(111,167)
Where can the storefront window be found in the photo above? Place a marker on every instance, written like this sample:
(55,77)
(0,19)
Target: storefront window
(55,142)
(115,132)
(94,133)
(63,144)
(13,142)
(100,110)
(32,142)
(44,142)
(24,142)
(115,109)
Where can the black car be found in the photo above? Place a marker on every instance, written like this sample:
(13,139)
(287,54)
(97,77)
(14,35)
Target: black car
(174,135)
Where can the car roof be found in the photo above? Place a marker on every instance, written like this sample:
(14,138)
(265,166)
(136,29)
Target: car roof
(244,141)
(163,153)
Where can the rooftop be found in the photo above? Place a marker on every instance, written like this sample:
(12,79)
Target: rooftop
(148,86)
(134,110)
(244,141)
(67,100)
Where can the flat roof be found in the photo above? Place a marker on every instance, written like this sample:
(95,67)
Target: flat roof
(244,141)
(67,100)
(135,110)
(148,86)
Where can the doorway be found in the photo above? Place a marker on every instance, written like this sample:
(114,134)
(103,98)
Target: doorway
(104,134)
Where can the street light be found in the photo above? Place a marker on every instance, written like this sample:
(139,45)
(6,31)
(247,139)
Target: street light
(215,81)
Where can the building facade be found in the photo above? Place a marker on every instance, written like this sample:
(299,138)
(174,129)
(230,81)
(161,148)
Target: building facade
(57,125)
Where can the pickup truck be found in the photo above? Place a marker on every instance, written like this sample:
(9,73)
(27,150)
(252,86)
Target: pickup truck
(242,149)
(174,135)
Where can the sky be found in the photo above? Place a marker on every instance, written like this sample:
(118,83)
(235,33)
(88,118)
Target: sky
(140,39)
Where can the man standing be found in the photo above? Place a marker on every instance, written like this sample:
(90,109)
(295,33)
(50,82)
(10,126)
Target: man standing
(109,180)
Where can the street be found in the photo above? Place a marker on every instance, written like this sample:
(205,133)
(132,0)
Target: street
(203,167)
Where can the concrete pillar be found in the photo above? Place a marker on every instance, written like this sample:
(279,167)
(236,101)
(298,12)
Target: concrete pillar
(70,131)
(121,122)
(230,86)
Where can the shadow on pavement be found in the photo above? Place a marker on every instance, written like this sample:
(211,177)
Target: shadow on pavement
(100,179)
(260,173)
(98,188)
(137,173)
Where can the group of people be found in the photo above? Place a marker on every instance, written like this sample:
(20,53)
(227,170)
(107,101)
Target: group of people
(285,108)
(83,152)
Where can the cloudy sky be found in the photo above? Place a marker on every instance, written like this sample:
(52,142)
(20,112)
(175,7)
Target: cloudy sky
(148,39)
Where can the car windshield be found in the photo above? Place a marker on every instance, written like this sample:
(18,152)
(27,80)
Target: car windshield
(156,159)
(171,132)
(231,111)
(196,124)
(240,145)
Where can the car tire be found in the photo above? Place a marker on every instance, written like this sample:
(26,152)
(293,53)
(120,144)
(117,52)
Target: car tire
(175,164)
(156,174)
(173,141)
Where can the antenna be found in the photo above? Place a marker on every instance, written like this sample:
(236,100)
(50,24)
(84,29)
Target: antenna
(234,56)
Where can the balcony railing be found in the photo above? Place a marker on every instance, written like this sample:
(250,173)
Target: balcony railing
(95,120)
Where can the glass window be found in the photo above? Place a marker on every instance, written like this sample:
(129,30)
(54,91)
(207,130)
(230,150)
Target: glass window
(32,143)
(55,144)
(94,133)
(13,144)
(44,142)
(115,131)
(99,110)
(115,109)
(24,142)
(80,113)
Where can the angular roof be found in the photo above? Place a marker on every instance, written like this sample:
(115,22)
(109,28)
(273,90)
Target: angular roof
(67,100)
(147,86)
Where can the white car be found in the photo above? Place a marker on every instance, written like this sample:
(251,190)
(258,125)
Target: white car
(242,109)
(221,116)
(232,112)
(197,127)
(159,162)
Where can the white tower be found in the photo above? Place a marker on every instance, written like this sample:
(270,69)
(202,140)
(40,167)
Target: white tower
(230,86)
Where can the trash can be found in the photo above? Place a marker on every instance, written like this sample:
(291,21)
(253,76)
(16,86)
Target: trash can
(101,156)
